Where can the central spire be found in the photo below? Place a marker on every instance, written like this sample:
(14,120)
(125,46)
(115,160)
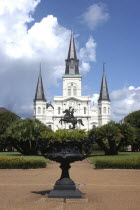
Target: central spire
(72,62)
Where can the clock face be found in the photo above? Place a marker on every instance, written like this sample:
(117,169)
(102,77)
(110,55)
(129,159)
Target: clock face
(71,103)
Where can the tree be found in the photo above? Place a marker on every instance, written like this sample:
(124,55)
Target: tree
(111,137)
(24,134)
(6,119)
(133,119)
(128,134)
(135,141)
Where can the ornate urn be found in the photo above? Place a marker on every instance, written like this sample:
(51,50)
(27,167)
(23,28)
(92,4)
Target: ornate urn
(66,152)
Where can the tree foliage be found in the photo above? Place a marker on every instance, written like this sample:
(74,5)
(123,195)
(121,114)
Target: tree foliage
(128,134)
(133,119)
(111,137)
(6,119)
(24,135)
(63,134)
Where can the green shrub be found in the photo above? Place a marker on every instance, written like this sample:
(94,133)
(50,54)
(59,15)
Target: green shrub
(61,135)
(96,148)
(111,137)
(20,163)
(23,135)
(121,164)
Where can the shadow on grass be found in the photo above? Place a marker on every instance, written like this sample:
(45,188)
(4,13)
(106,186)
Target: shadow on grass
(41,192)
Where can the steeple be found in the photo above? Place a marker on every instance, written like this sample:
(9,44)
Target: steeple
(104,90)
(72,62)
(39,96)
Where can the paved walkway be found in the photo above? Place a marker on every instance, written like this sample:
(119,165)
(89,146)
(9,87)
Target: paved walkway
(103,189)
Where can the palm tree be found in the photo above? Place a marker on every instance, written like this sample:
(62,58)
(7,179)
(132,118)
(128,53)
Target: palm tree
(24,135)
(108,137)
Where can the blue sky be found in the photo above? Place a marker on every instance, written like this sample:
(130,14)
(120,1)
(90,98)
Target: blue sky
(39,31)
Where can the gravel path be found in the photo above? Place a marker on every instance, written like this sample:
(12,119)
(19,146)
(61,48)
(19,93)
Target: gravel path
(103,189)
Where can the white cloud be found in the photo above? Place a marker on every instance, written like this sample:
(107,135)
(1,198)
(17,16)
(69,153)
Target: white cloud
(22,49)
(95,15)
(87,54)
(84,67)
(94,99)
(124,101)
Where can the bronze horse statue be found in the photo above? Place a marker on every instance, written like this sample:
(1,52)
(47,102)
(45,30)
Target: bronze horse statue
(69,118)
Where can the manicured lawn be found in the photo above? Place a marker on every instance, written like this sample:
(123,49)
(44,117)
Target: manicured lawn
(19,155)
(121,156)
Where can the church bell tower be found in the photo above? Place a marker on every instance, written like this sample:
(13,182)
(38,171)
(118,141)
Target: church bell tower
(103,102)
(72,78)
(40,101)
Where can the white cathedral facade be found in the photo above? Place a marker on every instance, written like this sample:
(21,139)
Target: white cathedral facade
(91,116)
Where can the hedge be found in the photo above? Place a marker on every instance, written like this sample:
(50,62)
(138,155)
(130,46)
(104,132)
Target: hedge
(20,163)
(118,164)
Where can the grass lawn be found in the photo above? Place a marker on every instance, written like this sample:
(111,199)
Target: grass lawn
(121,156)
(19,155)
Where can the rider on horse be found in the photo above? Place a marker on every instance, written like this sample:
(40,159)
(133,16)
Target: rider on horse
(69,113)
(69,117)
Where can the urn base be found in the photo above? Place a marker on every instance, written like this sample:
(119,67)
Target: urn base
(65,188)
(65,194)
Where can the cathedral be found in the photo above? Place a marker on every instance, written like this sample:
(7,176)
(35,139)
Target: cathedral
(72,98)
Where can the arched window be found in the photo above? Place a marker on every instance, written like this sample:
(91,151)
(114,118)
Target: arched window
(59,110)
(39,110)
(69,91)
(100,111)
(50,126)
(43,110)
(74,91)
(104,110)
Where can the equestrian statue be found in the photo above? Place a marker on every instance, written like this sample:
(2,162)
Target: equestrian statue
(69,118)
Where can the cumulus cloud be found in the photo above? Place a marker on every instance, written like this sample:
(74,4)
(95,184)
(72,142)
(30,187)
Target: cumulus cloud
(87,54)
(95,15)
(22,50)
(124,101)
(94,99)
